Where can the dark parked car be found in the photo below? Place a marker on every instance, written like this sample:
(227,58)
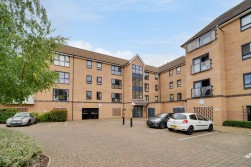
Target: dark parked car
(159,121)
(21,119)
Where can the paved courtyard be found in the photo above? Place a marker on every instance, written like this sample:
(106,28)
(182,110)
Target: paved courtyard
(108,143)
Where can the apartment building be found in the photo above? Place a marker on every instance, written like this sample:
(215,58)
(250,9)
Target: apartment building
(213,78)
(218,79)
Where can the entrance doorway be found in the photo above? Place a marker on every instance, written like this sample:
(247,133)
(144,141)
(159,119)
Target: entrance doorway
(138,112)
(249,112)
(151,112)
(90,113)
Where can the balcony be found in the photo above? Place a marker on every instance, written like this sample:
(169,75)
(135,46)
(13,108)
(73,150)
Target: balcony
(202,92)
(200,67)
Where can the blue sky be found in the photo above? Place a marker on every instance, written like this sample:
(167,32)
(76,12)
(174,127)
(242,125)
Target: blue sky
(154,29)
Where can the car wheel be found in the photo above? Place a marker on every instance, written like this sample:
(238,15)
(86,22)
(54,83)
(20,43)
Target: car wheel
(190,130)
(35,121)
(162,125)
(7,125)
(210,128)
(170,129)
(29,123)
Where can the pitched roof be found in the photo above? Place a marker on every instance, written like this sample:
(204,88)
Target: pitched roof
(235,11)
(151,68)
(92,55)
(172,64)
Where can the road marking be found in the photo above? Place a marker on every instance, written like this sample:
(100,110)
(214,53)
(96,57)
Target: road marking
(248,155)
(35,125)
(156,130)
(65,124)
(197,136)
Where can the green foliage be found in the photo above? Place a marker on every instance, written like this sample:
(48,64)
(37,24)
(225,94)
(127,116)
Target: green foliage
(17,149)
(243,124)
(52,116)
(6,113)
(58,116)
(27,49)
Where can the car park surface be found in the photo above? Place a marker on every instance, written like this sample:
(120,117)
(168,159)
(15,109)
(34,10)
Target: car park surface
(109,143)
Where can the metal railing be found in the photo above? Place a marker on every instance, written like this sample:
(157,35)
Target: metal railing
(203,66)
(201,92)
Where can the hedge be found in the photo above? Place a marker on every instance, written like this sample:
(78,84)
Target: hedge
(243,124)
(18,149)
(6,113)
(52,116)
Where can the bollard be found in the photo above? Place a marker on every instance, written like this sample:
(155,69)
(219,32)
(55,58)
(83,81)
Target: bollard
(123,120)
(131,122)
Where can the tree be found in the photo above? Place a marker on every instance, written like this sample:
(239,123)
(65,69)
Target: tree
(27,50)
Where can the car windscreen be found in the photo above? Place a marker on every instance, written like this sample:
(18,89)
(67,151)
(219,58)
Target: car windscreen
(160,115)
(179,116)
(22,114)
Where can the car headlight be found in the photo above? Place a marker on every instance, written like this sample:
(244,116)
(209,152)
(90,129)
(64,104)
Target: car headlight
(8,120)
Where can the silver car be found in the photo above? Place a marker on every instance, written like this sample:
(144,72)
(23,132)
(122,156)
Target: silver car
(21,119)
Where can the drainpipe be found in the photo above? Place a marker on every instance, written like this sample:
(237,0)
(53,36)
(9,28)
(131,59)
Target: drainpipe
(73,69)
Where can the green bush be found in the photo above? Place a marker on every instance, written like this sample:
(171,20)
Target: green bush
(243,124)
(44,117)
(58,116)
(17,149)
(6,113)
(52,116)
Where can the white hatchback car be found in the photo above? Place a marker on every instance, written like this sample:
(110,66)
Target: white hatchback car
(189,122)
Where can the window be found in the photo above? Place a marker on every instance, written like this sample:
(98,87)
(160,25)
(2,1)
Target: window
(170,73)
(178,70)
(193,117)
(62,60)
(156,76)
(99,66)
(116,84)
(179,83)
(246,22)
(156,87)
(202,88)
(137,69)
(170,85)
(156,98)
(201,63)
(179,97)
(171,97)
(147,98)
(146,75)
(88,95)
(136,94)
(116,97)
(63,77)
(99,95)
(246,51)
(60,94)
(89,64)
(137,82)
(99,80)
(203,40)
(116,70)
(88,79)
(146,87)
(247,81)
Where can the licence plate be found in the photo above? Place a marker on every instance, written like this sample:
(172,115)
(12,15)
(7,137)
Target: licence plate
(174,126)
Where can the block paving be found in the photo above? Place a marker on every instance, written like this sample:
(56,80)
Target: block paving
(108,143)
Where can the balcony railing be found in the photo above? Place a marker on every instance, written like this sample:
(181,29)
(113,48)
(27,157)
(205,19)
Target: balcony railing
(202,92)
(203,66)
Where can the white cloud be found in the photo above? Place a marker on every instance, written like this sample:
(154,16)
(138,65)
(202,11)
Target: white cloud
(124,54)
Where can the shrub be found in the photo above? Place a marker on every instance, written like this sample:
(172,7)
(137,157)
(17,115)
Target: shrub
(17,149)
(52,116)
(6,113)
(243,124)
(44,117)
(58,116)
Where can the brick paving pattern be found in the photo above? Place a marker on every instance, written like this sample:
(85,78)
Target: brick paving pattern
(107,143)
